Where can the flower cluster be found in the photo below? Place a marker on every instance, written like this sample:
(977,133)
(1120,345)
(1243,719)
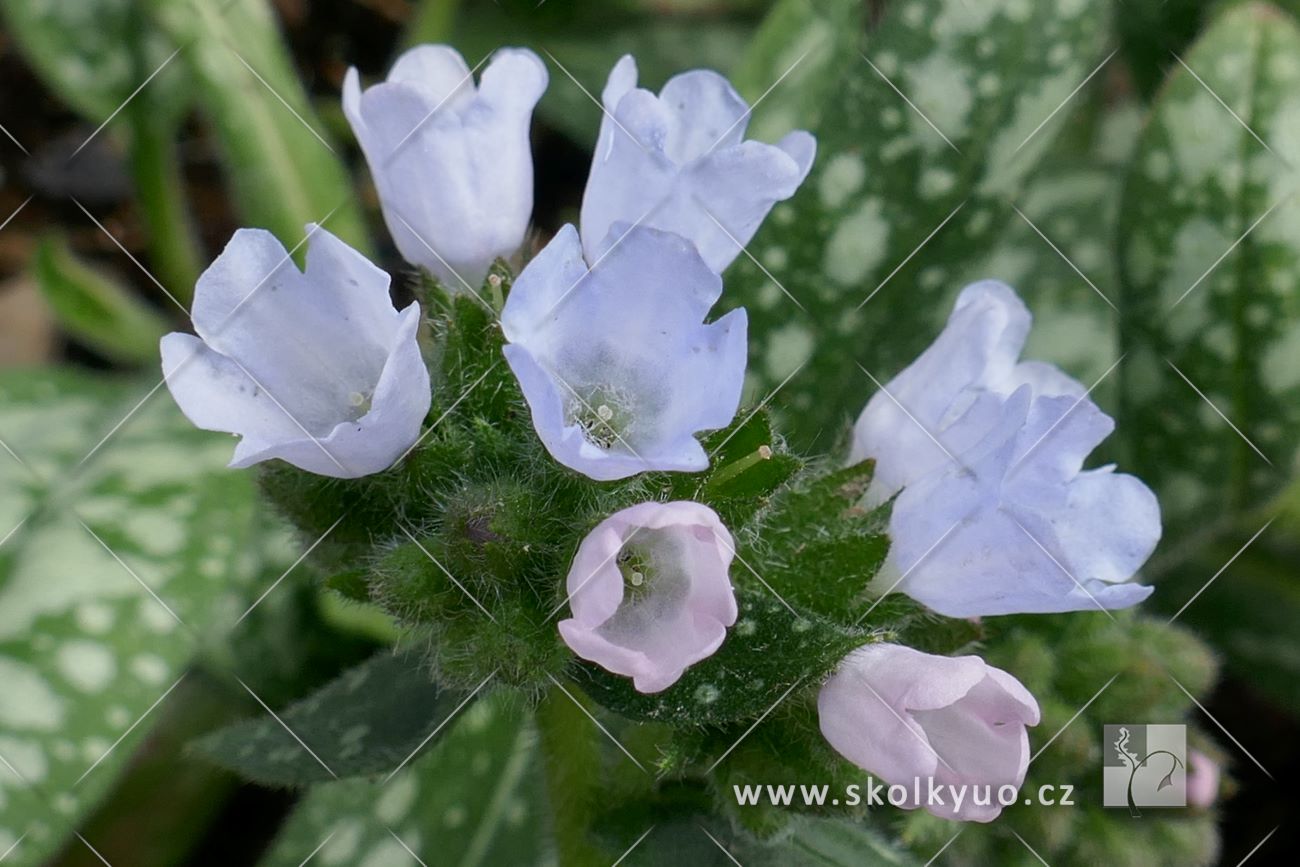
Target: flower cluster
(977,456)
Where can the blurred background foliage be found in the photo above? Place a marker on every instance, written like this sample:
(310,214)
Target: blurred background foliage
(1129,167)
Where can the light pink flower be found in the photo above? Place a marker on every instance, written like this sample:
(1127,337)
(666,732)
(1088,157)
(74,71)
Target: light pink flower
(1202,780)
(909,717)
(650,592)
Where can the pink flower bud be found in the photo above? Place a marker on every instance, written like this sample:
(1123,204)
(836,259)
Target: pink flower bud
(951,724)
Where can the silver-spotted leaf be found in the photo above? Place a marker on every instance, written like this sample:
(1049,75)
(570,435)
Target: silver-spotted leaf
(932,126)
(369,720)
(124,545)
(1210,249)
(471,801)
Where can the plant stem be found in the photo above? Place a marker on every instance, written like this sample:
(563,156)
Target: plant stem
(160,191)
(570,762)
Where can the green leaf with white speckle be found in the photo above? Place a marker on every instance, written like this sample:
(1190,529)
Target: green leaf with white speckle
(800,42)
(866,224)
(1210,249)
(473,800)
(369,720)
(85,649)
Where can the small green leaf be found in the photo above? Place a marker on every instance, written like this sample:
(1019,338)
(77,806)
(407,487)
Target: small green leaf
(369,720)
(96,309)
(471,801)
(748,465)
(1210,385)
(283,172)
(768,652)
(817,547)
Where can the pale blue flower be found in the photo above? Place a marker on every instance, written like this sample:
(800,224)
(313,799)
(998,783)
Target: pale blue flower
(679,162)
(1028,530)
(616,363)
(952,395)
(451,162)
(315,368)
(996,514)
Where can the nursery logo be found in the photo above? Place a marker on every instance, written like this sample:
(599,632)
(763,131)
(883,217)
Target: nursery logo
(1144,766)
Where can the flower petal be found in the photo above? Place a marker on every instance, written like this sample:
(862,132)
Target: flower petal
(707,115)
(726,195)
(995,515)
(678,162)
(451,162)
(373,442)
(513,81)
(438,73)
(1028,539)
(290,331)
(215,394)
(314,367)
(618,369)
(800,146)
(974,356)
(680,613)
(549,278)
(910,717)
